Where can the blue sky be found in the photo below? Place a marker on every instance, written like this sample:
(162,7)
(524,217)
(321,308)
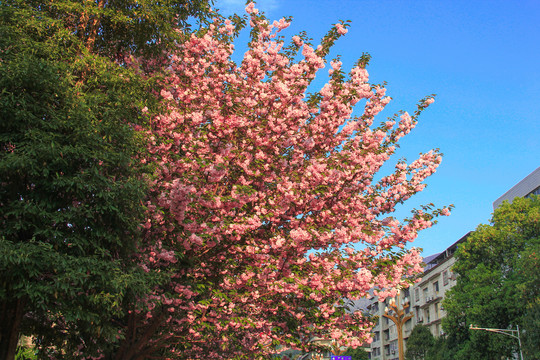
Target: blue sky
(481,58)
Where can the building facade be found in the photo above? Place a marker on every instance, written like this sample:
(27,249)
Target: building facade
(530,185)
(423,299)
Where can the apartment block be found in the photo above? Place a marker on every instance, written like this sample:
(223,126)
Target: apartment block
(423,299)
(530,185)
(427,295)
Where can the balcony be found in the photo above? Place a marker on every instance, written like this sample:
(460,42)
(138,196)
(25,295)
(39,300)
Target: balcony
(430,300)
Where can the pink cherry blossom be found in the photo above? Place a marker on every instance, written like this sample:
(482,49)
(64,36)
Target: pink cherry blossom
(341,29)
(266,210)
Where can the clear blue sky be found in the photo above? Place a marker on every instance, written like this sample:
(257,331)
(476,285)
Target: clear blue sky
(481,58)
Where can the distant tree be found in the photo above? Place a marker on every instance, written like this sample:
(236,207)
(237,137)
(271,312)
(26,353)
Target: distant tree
(419,343)
(528,285)
(440,350)
(498,284)
(357,354)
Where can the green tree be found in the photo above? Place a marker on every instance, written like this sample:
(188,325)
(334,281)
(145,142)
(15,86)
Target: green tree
(440,350)
(529,285)
(498,284)
(357,354)
(115,28)
(70,193)
(71,188)
(419,343)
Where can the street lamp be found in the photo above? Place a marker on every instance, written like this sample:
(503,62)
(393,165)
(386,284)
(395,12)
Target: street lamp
(396,313)
(335,348)
(507,332)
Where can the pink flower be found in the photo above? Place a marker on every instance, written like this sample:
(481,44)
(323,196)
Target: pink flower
(250,8)
(196,239)
(341,29)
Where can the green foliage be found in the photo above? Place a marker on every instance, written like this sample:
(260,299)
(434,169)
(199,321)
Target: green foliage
(357,354)
(419,343)
(71,188)
(25,353)
(116,28)
(498,284)
(530,330)
(440,350)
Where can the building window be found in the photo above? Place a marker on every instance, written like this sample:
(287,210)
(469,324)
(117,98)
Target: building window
(376,336)
(425,294)
(534,192)
(416,295)
(437,311)
(436,287)
(393,347)
(427,318)
(445,277)
(386,335)
(408,325)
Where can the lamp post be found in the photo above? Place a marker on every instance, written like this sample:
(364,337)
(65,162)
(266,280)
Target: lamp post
(335,349)
(507,332)
(396,312)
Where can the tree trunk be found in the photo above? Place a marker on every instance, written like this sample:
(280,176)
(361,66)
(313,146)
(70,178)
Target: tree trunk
(11,314)
(94,27)
(135,345)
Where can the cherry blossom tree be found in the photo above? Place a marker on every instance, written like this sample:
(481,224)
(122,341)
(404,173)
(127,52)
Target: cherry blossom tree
(265,210)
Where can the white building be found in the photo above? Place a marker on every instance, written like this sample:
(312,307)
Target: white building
(427,295)
(424,299)
(528,186)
